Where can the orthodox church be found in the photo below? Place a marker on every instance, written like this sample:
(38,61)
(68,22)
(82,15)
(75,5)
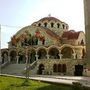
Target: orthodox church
(48,47)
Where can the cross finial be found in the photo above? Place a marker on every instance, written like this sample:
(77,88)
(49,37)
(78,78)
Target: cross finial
(49,15)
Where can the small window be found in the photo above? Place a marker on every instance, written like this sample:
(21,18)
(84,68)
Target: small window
(82,42)
(39,24)
(63,26)
(66,27)
(58,25)
(52,24)
(45,24)
(55,68)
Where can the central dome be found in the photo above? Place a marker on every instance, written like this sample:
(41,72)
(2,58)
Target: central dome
(49,19)
(53,24)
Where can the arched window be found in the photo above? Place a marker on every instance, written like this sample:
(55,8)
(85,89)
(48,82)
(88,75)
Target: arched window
(31,56)
(55,68)
(22,58)
(58,25)
(13,55)
(66,27)
(82,42)
(67,52)
(42,53)
(63,68)
(63,26)
(41,68)
(45,24)
(83,53)
(59,68)
(54,53)
(52,25)
(4,56)
(39,24)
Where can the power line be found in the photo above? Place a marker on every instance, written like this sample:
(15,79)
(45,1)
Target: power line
(11,26)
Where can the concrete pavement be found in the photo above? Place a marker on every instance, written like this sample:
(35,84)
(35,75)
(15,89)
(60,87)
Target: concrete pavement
(68,80)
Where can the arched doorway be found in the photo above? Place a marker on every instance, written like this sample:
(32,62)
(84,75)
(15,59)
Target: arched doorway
(41,68)
(59,68)
(78,70)
(4,56)
(13,55)
(64,68)
(31,56)
(83,53)
(55,67)
(22,58)
(42,53)
(54,53)
(67,52)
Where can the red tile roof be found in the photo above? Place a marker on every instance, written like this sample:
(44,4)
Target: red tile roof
(49,19)
(71,34)
(51,33)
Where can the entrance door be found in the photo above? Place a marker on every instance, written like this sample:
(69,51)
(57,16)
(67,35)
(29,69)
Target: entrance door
(41,68)
(78,70)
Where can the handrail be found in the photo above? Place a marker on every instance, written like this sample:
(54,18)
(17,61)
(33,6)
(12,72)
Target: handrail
(4,64)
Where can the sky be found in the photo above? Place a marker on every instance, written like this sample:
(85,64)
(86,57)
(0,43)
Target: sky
(15,14)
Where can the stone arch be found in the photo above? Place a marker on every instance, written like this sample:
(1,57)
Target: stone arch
(53,52)
(13,55)
(45,23)
(55,66)
(31,55)
(22,57)
(67,45)
(58,25)
(41,68)
(67,51)
(4,56)
(83,53)
(42,52)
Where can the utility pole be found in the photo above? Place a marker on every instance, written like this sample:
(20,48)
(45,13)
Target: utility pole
(0,49)
(87,32)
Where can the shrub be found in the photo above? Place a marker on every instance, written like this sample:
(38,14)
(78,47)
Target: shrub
(77,86)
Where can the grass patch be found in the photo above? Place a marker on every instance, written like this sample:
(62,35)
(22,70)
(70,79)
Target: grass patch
(12,83)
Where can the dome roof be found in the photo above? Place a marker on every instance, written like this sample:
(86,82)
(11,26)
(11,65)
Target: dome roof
(49,19)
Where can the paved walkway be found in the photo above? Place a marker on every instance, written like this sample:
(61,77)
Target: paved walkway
(58,79)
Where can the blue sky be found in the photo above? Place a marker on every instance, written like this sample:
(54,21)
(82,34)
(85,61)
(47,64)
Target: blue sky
(21,13)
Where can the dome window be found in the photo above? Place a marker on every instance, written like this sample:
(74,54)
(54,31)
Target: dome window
(39,24)
(45,24)
(66,27)
(63,26)
(52,24)
(58,25)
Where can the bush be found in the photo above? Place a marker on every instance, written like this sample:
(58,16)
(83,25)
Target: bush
(77,86)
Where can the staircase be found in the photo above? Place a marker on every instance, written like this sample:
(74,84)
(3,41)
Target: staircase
(13,69)
(19,69)
(32,68)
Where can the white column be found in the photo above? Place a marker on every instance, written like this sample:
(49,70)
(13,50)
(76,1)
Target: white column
(9,58)
(36,57)
(74,55)
(47,56)
(17,59)
(60,55)
(26,59)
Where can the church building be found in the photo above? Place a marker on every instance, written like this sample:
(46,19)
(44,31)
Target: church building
(48,47)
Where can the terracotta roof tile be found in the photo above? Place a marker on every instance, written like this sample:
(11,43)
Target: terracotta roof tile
(71,34)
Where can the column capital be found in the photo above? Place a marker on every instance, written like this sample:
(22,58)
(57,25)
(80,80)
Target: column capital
(36,56)
(60,55)
(47,56)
